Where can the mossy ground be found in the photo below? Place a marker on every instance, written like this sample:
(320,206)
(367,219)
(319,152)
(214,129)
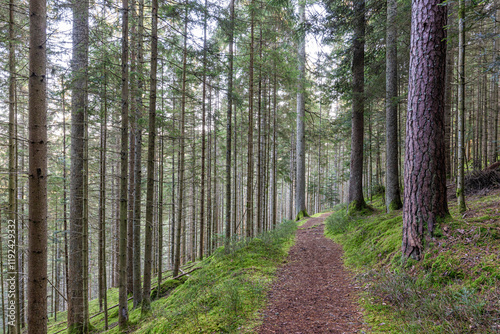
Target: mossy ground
(223,296)
(454,289)
(301,215)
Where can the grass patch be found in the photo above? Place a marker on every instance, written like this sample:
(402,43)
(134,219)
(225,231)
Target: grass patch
(454,289)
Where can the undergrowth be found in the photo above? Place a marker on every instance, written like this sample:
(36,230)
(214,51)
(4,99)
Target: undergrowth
(223,296)
(454,289)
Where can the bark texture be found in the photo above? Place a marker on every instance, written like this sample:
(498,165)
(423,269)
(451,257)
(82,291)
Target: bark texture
(425,174)
(355,199)
(249,227)
(79,64)
(300,190)
(461,108)
(12,206)
(229,124)
(122,253)
(148,248)
(180,216)
(392,191)
(37,178)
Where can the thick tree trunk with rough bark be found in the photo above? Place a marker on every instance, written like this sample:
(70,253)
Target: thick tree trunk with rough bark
(300,189)
(79,64)
(356,200)
(392,191)
(37,248)
(425,175)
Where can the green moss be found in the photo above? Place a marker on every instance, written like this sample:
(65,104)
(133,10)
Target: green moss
(395,205)
(166,287)
(302,214)
(366,240)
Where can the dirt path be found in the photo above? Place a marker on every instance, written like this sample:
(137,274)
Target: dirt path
(313,292)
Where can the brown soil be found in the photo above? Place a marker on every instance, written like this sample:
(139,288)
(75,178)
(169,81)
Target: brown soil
(313,292)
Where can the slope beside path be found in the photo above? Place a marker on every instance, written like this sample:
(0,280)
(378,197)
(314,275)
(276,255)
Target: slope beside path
(313,292)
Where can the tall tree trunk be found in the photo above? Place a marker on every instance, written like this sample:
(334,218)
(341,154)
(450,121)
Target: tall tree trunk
(259,140)
(495,109)
(292,173)
(425,196)
(160,210)
(486,113)
(275,109)
(448,103)
(4,313)
(203,134)
(356,200)
(300,189)
(461,107)
(138,113)
(148,249)
(229,123)
(65,193)
(85,221)
(132,155)
(122,284)
(76,300)
(392,191)
(37,248)
(180,215)
(250,227)
(12,211)
(173,221)
(103,297)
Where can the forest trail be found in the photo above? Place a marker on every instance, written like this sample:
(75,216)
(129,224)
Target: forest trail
(313,292)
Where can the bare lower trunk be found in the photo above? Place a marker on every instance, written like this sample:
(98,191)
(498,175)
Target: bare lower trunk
(76,296)
(249,227)
(356,200)
(12,209)
(392,191)
(425,196)
(300,189)
(122,286)
(180,214)
(228,126)
(461,107)
(37,248)
(146,302)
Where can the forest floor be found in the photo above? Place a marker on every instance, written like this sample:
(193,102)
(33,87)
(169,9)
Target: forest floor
(313,292)
(455,288)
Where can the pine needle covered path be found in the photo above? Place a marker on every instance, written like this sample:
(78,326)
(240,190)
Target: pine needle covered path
(313,292)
